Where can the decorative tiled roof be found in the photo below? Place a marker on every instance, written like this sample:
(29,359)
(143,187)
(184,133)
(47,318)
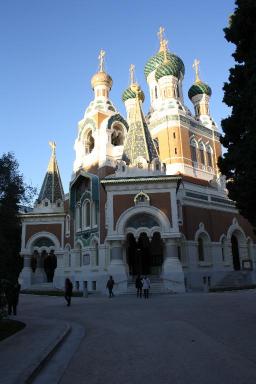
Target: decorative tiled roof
(52,186)
(199,88)
(130,93)
(138,141)
(158,59)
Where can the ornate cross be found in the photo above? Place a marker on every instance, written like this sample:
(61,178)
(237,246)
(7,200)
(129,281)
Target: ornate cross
(165,48)
(101,60)
(196,68)
(53,146)
(132,73)
(160,34)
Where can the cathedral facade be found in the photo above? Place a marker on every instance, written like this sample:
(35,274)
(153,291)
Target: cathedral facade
(145,197)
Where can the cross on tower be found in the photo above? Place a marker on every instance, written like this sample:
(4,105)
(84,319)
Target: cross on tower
(165,49)
(196,68)
(53,146)
(101,60)
(160,34)
(132,73)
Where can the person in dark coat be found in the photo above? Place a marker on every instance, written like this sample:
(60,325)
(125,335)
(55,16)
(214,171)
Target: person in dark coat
(12,292)
(68,291)
(110,286)
(138,285)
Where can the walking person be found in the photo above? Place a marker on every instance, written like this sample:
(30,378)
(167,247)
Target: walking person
(15,297)
(110,286)
(138,285)
(146,286)
(68,291)
(12,296)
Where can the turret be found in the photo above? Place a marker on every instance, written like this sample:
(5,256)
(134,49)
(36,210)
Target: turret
(200,93)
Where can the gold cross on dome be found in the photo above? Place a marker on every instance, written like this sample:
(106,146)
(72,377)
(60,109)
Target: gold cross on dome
(53,146)
(160,35)
(165,49)
(132,73)
(101,58)
(196,68)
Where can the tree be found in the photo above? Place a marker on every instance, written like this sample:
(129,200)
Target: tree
(13,192)
(238,164)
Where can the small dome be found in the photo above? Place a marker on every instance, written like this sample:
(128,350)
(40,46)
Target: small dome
(131,93)
(101,78)
(199,88)
(158,59)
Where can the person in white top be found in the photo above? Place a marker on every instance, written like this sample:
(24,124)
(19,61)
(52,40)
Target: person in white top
(145,286)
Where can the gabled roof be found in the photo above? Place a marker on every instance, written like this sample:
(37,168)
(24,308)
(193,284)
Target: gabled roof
(52,186)
(138,141)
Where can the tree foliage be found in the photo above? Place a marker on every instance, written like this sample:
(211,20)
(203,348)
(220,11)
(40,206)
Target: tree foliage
(13,192)
(238,164)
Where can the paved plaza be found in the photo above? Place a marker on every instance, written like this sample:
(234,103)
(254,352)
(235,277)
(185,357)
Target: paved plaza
(187,338)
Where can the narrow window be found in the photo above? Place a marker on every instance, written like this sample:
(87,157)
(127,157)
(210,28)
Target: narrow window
(200,249)
(175,150)
(174,135)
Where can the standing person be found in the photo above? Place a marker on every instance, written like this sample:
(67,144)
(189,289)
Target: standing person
(8,290)
(110,286)
(15,297)
(68,291)
(138,285)
(146,286)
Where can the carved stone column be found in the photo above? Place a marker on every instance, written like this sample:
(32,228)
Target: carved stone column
(25,277)
(173,275)
(40,275)
(117,267)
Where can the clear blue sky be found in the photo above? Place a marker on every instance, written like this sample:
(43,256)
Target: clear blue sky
(49,52)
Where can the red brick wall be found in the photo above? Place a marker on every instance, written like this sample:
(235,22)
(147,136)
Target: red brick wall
(32,229)
(216,222)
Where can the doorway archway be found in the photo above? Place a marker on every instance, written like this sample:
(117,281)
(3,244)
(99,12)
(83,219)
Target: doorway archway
(144,256)
(235,253)
(50,264)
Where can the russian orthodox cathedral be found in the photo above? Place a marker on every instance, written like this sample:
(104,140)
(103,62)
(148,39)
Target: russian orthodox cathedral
(145,196)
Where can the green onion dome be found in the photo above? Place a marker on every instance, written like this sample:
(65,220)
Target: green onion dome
(176,63)
(166,69)
(199,88)
(132,91)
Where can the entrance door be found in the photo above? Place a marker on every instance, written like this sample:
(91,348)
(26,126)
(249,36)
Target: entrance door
(144,257)
(50,263)
(235,253)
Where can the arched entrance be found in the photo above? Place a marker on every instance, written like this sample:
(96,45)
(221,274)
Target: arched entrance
(144,256)
(50,264)
(235,253)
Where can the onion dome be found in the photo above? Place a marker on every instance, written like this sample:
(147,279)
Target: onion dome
(101,78)
(199,88)
(132,92)
(176,65)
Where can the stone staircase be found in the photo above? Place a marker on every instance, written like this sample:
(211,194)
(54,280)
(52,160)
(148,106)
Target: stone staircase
(156,286)
(235,280)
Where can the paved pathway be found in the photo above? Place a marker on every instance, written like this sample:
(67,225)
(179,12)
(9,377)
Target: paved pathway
(177,339)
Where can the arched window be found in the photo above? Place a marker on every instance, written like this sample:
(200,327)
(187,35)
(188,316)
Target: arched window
(78,218)
(201,253)
(156,92)
(209,155)
(86,214)
(89,142)
(117,136)
(193,150)
(96,254)
(67,225)
(201,152)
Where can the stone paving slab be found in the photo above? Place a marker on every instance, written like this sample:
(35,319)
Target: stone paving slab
(24,353)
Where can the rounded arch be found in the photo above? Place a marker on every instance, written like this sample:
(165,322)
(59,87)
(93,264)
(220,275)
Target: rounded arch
(88,140)
(157,214)
(203,233)
(43,234)
(118,133)
(236,230)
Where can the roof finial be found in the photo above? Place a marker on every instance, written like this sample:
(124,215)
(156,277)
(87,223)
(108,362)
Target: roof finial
(132,73)
(160,35)
(53,147)
(101,58)
(165,49)
(196,68)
